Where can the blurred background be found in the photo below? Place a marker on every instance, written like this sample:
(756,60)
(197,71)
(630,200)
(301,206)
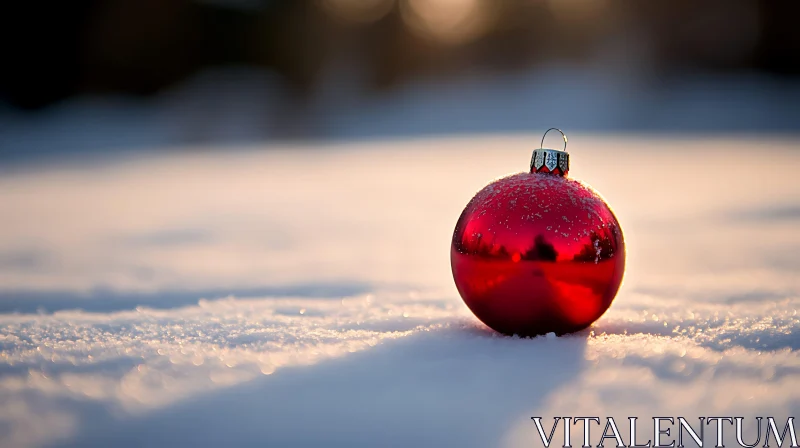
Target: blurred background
(91,76)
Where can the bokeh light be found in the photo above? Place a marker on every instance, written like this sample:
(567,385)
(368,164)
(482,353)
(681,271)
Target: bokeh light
(447,21)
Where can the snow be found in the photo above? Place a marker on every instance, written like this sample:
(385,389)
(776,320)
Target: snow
(301,295)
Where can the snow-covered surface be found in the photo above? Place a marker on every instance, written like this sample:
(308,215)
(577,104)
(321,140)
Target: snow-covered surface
(302,296)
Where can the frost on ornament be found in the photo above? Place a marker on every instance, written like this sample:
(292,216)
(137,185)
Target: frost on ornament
(554,270)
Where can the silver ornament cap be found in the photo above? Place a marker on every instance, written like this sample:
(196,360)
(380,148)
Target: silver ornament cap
(550,161)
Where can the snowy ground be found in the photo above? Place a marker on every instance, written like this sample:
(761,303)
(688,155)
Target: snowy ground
(302,296)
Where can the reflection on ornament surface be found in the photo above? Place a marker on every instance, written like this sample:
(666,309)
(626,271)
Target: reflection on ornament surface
(536,253)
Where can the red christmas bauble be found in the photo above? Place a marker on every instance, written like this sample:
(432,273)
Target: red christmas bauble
(536,252)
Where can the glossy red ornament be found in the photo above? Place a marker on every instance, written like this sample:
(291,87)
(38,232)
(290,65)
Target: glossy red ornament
(536,252)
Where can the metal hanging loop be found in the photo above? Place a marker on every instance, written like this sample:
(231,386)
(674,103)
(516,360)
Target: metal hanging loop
(541,145)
